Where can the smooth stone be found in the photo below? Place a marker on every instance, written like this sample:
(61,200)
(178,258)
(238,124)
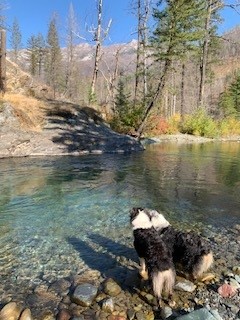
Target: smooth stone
(108,305)
(63,315)
(234,283)
(60,286)
(130,314)
(166,312)
(201,314)
(185,285)
(111,288)
(11,311)
(26,315)
(226,290)
(236,270)
(84,294)
(140,315)
(237,278)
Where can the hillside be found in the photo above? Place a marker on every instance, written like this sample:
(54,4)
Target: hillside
(32,124)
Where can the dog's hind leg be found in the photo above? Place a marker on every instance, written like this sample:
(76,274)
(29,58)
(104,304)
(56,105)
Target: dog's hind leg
(203,265)
(143,270)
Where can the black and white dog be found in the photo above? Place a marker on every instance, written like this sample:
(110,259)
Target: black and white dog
(187,249)
(155,257)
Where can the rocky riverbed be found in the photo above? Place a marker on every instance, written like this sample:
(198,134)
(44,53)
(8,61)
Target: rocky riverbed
(118,293)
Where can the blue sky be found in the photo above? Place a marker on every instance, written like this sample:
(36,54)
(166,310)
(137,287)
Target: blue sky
(34,15)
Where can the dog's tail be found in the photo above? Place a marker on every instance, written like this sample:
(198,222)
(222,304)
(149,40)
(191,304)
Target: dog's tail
(163,281)
(204,263)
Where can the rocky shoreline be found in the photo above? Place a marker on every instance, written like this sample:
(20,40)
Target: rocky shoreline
(67,130)
(124,296)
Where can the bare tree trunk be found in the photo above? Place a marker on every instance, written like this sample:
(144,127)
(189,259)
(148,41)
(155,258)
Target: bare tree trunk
(182,90)
(97,52)
(138,68)
(143,9)
(203,62)
(3,61)
(145,43)
(160,87)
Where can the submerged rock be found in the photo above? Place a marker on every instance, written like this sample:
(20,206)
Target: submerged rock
(10,311)
(84,294)
(111,287)
(26,315)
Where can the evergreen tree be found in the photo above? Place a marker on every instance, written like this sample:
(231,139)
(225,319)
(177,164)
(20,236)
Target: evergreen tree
(179,28)
(16,39)
(32,54)
(41,51)
(36,53)
(121,99)
(54,57)
(230,99)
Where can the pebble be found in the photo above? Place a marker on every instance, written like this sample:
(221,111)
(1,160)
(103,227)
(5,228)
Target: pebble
(185,285)
(26,315)
(108,305)
(166,312)
(226,290)
(84,294)
(11,311)
(111,288)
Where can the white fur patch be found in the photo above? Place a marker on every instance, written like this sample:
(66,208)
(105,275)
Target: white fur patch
(158,221)
(163,281)
(141,221)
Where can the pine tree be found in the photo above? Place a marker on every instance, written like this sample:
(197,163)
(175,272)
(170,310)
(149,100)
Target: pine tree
(179,29)
(36,53)
(32,54)
(16,39)
(41,51)
(54,57)
(230,99)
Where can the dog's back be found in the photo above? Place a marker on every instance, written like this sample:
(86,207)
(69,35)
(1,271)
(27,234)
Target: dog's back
(189,249)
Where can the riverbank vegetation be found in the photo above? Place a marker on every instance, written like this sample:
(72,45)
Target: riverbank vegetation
(180,75)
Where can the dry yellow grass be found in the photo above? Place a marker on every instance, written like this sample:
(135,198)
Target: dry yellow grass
(29,111)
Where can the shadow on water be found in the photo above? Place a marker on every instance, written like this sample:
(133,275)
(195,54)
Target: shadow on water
(114,247)
(106,262)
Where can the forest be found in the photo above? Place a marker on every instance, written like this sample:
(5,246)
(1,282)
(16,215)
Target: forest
(179,75)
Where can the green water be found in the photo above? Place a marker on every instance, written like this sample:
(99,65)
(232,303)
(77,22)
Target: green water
(56,212)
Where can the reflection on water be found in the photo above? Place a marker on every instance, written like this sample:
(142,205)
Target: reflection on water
(54,211)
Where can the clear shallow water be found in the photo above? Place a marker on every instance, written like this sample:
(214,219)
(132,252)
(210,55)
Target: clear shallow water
(60,216)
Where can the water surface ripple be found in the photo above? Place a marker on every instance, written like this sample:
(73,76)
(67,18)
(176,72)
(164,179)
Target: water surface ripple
(60,216)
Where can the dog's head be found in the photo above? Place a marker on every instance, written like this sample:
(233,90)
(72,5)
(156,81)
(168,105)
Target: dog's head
(144,219)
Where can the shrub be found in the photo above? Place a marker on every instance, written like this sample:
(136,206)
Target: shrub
(199,124)
(229,126)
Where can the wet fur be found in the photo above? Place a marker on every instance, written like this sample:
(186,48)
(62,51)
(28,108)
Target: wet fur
(155,258)
(188,249)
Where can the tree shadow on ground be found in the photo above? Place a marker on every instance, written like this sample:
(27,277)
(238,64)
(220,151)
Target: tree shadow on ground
(81,129)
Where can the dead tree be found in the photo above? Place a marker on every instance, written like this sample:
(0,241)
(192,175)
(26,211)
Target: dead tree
(99,37)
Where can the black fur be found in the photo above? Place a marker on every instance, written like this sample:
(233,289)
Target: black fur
(186,248)
(151,247)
